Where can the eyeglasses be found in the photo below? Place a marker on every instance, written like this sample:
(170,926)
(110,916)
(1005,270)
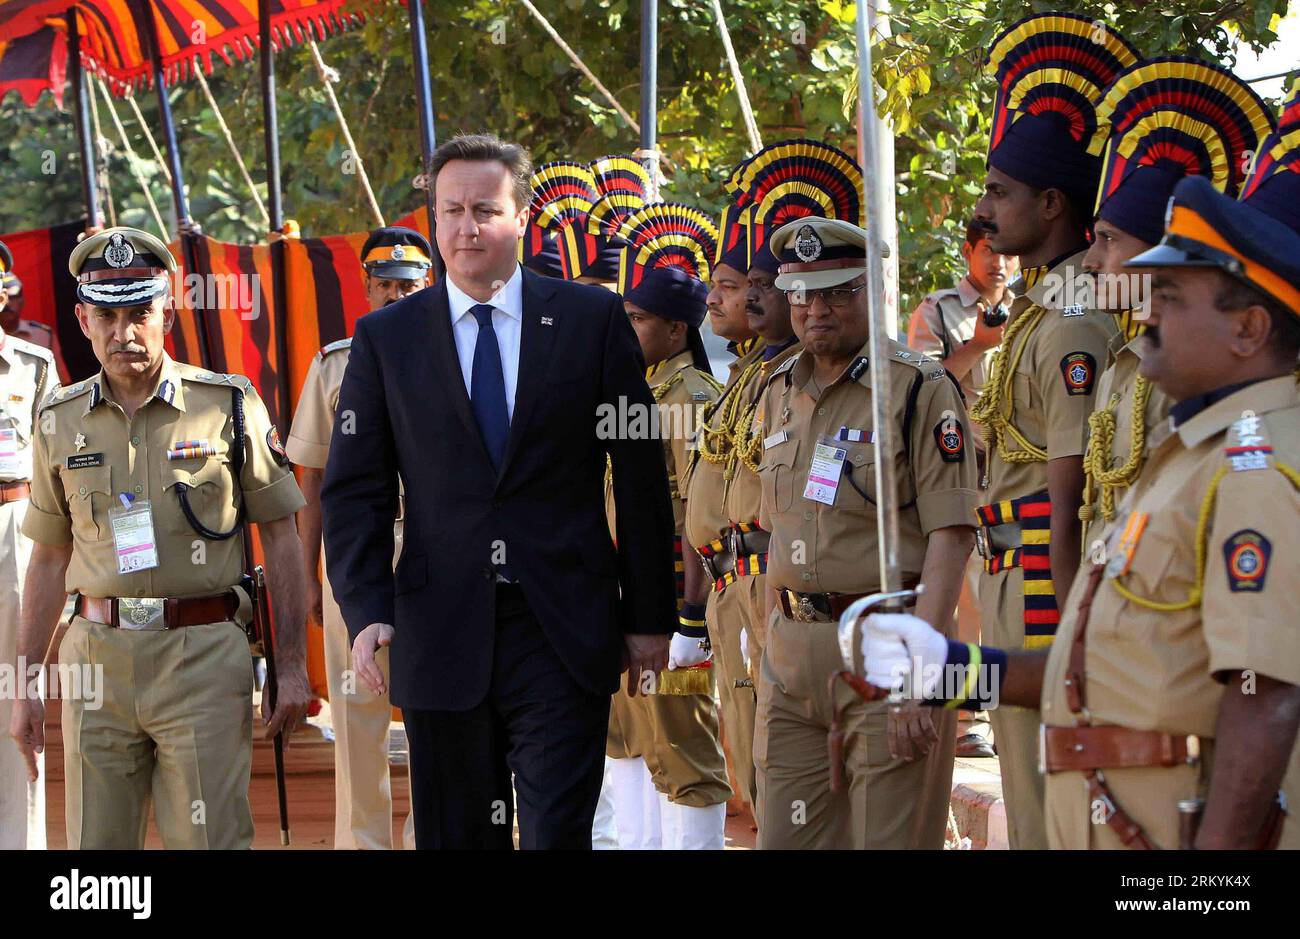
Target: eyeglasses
(835,297)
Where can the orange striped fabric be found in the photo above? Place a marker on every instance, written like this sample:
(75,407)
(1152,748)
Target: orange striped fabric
(113,41)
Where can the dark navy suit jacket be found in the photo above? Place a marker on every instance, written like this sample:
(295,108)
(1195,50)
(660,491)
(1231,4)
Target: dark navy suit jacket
(404,411)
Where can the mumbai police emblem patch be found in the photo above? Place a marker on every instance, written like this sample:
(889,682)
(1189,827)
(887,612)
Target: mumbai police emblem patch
(276,448)
(1245,555)
(807,246)
(119,252)
(950,440)
(1078,369)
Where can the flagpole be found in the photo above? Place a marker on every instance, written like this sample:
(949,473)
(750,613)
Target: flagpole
(94,217)
(428,134)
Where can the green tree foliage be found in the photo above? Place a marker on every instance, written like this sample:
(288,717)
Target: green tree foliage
(495,68)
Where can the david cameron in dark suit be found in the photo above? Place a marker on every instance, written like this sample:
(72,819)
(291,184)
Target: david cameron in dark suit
(510,614)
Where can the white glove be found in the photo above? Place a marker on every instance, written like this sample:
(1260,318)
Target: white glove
(898,646)
(744,647)
(684,652)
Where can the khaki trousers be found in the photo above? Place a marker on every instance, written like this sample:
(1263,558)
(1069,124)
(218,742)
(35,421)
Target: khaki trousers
(1015,730)
(22,803)
(363,795)
(170,721)
(887,803)
(677,736)
(724,616)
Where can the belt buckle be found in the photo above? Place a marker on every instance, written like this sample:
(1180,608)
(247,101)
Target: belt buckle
(982,543)
(1042,749)
(804,609)
(140,613)
(736,541)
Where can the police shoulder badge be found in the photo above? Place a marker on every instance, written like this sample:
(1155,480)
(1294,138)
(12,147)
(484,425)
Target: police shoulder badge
(807,246)
(1245,555)
(119,252)
(950,440)
(277,448)
(1079,369)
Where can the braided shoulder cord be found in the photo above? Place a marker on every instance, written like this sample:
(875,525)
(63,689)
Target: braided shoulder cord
(1202,539)
(996,406)
(1098,476)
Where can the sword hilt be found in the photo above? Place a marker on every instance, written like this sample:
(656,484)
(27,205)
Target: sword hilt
(892,601)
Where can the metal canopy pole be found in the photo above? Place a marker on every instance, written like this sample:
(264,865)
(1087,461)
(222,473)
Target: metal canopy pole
(877,251)
(649,114)
(274,206)
(94,217)
(428,136)
(189,250)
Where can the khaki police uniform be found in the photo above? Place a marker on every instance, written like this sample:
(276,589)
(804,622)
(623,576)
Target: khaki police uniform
(944,322)
(27,375)
(707,530)
(1128,408)
(743,501)
(820,549)
(1038,402)
(676,735)
(1153,669)
(363,800)
(175,721)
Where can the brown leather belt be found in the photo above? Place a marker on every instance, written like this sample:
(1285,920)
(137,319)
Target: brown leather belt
(815,607)
(155,613)
(1062,749)
(12,492)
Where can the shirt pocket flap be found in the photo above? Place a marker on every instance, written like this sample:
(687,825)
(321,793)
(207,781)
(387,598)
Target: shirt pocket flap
(82,483)
(193,473)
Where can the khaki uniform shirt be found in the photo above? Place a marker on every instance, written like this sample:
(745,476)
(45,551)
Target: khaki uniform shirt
(1053,379)
(1115,392)
(38,334)
(88,453)
(706,483)
(945,321)
(1152,670)
(313,421)
(819,548)
(27,375)
(681,391)
(745,494)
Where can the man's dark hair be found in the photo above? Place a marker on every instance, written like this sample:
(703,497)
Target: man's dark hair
(977,229)
(1235,295)
(487,147)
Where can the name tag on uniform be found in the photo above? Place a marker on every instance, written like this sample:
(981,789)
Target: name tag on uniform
(9,452)
(773,440)
(85,460)
(133,537)
(824,474)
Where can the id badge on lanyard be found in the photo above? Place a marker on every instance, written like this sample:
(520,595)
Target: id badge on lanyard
(9,452)
(133,536)
(824,473)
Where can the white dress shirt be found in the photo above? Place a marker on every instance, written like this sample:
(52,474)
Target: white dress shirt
(507,319)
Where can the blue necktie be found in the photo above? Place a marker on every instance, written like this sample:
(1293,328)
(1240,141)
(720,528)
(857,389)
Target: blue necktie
(487,387)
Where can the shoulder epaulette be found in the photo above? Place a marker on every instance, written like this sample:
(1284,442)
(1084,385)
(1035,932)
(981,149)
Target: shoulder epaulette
(67,393)
(785,367)
(702,385)
(31,348)
(334,346)
(193,373)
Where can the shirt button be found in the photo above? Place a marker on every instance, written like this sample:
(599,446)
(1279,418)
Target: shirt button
(81,491)
(821,411)
(807,516)
(806,575)
(135,441)
(139,489)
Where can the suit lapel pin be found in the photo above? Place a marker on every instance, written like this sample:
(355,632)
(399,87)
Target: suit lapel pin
(548,321)
(79,442)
